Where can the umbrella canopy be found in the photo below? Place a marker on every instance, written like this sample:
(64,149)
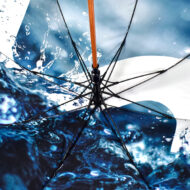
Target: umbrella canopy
(123,125)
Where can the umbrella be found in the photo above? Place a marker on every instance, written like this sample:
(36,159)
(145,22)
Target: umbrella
(109,129)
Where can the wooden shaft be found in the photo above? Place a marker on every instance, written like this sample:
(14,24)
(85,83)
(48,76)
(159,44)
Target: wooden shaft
(92,32)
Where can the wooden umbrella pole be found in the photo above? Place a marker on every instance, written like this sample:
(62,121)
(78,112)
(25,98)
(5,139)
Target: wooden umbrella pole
(92,32)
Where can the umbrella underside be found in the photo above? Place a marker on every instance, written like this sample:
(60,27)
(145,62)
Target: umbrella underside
(65,125)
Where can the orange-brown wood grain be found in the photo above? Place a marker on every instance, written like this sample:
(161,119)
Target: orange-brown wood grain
(92,32)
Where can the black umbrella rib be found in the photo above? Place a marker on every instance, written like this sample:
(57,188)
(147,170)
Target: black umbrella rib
(118,82)
(112,94)
(61,86)
(35,117)
(38,74)
(138,112)
(72,144)
(110,81)
(129,110)
(62,79)
(54,107)
(115,128)
(24,68)
(136,77)
(162,72)
(82,63)
(116,56)
(60,114)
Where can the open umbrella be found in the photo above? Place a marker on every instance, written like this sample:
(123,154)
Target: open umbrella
(69,124)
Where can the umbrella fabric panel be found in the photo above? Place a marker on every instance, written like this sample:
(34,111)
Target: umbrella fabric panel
(42,39)
(158,28)
(33,146)
(10,22)
(44,35)
(33,96)
(111,20)
(31,152)
(99,161)
(42,43)
(170,88)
